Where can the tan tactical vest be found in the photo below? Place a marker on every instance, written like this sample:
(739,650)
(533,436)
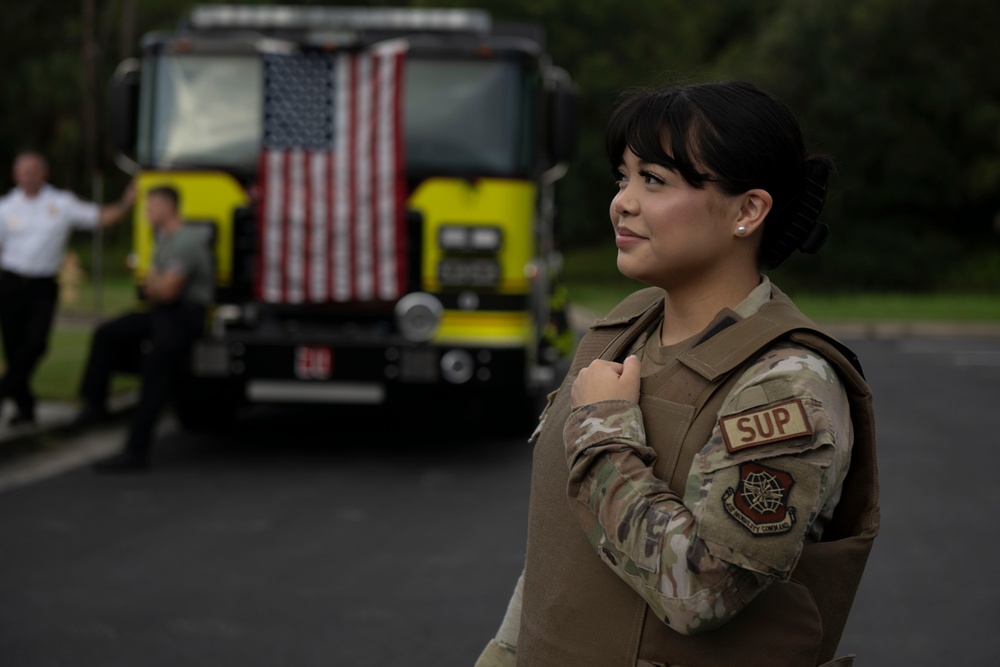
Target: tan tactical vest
(578,613)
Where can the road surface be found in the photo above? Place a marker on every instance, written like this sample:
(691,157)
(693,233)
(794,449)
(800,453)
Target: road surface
(346,538)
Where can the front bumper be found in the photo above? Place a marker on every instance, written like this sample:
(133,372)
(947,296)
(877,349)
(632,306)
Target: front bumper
(313,370)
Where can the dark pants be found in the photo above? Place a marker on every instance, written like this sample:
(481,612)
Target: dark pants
(156,343)
(27,306)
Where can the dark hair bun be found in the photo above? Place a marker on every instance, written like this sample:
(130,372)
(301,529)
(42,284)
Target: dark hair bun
(802,230)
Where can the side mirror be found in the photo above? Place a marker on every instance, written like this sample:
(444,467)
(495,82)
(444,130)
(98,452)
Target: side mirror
(562,118)
(125,106)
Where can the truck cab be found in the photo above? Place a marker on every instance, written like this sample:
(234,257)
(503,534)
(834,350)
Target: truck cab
(376,186)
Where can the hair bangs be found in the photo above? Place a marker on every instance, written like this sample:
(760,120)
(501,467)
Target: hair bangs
(658,128)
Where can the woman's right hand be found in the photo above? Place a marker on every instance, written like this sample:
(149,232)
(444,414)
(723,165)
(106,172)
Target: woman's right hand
(607,380)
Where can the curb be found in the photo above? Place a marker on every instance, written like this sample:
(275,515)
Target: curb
(52,419)
(29,454)
(912,329)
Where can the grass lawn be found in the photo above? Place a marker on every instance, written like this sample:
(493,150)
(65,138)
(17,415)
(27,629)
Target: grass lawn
(976,307)
(600,298)
(58,375)
(595,284)
(117,294)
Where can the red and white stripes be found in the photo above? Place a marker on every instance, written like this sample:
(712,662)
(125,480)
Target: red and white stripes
(332,219)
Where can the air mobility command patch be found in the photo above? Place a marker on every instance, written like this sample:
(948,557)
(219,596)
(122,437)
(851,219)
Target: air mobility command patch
(760,501)
(760,427)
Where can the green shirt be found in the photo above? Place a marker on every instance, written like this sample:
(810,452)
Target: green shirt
(186,252)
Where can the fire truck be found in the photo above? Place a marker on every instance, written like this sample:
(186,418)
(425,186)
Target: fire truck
(350,269)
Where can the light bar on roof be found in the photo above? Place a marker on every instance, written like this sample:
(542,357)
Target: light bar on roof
(260,17)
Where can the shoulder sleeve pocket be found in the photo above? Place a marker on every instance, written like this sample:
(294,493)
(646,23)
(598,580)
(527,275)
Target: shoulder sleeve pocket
(757,513)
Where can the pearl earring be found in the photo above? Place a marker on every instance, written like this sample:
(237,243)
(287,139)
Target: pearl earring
(741,230)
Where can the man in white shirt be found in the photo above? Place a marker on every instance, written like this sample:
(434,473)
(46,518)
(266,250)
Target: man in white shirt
(35,223)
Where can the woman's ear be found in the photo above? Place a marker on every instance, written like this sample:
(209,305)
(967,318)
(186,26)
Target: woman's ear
(754,207)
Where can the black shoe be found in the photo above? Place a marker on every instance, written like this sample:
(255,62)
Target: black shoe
(124,462)
(89,416)
(22,418)
(25,411)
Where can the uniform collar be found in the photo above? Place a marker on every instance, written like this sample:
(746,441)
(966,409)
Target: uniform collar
(42,191)
(756,299)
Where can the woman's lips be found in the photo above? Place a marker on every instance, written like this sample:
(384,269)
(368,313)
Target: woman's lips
(625,238)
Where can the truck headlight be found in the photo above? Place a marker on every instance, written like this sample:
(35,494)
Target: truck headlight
(484,239)
(469,238)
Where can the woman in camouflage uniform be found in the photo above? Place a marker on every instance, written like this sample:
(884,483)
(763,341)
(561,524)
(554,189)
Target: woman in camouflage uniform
(704,485)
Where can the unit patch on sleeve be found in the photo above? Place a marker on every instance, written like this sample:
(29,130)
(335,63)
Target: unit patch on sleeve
(760,501)
(760,427)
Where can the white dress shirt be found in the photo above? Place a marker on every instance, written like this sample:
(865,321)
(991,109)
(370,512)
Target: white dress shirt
(34,230)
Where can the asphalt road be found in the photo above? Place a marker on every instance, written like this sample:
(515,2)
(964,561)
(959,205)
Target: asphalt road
(355,539)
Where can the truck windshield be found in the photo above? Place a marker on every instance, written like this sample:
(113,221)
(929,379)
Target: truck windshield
(461,116)
(201,110)
(465,116)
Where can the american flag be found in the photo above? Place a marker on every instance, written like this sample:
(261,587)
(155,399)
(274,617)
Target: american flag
(331,209)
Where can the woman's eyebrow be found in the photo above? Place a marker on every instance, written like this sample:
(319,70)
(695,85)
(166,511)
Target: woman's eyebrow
(644,164)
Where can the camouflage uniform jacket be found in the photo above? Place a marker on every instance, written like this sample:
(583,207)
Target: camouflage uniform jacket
(764,484)
(700,531)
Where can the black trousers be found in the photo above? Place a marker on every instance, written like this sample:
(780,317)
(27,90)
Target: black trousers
(156,343)
(27,307)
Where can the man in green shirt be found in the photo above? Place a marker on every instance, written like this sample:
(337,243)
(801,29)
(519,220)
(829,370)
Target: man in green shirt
(179,287)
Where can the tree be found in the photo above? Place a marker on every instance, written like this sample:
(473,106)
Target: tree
(902,93)
(897,93)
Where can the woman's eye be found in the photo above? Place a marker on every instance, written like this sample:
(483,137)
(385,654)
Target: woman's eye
(650,178)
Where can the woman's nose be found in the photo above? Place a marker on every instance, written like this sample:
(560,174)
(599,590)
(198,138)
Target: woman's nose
(623,203)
